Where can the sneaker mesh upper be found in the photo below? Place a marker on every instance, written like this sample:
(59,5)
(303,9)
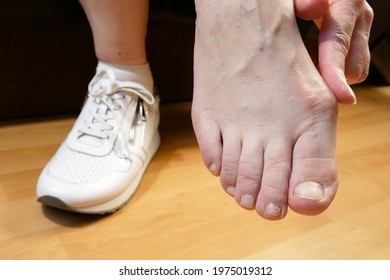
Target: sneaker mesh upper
(77,168)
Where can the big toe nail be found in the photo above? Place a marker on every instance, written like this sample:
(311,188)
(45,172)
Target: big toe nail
(309,190)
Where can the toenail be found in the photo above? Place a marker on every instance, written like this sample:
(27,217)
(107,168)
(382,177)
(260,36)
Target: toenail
(247,201)
(230,190)
(272,210)
(212,167)
(309,190)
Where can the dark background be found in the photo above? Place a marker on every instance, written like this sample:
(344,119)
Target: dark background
(47,57)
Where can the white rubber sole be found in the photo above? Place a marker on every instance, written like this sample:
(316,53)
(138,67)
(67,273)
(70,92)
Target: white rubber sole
(116,203)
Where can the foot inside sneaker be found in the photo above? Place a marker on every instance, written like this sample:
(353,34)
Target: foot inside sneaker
(102,161)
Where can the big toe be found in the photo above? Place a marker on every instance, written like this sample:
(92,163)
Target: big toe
(314,177)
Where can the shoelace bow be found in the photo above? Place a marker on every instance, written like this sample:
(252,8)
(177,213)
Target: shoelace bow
(107,92)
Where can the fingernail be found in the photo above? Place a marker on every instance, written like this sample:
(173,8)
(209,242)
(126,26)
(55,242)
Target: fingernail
(230,190)
(212,167)
(353,95)
(247,201)
(273,210)
(310,190)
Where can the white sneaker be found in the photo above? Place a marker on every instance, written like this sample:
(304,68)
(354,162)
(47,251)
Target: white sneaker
(100,164)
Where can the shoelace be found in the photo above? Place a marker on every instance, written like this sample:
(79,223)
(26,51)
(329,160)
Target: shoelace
(107,93)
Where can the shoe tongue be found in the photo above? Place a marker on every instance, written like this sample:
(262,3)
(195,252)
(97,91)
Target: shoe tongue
(102,87)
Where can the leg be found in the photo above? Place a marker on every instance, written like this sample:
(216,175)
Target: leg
(263,116)
(100,164)
(119,29)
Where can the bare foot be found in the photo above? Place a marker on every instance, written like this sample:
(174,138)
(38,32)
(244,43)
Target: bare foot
(263,116)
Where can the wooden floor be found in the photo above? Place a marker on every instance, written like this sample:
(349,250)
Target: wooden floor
(179,210)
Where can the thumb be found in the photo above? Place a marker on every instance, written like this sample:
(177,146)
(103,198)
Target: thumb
(334,42)
(336,32)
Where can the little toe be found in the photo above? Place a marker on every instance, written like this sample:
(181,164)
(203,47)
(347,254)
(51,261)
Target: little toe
(210,143)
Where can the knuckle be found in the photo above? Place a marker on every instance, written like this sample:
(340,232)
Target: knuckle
(369,10)
(342,41)
(277,166)
(274,190)
(229,164)
(249,174)
(369,13)
(249,182)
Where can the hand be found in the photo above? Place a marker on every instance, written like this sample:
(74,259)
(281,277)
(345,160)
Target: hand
(343,54)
